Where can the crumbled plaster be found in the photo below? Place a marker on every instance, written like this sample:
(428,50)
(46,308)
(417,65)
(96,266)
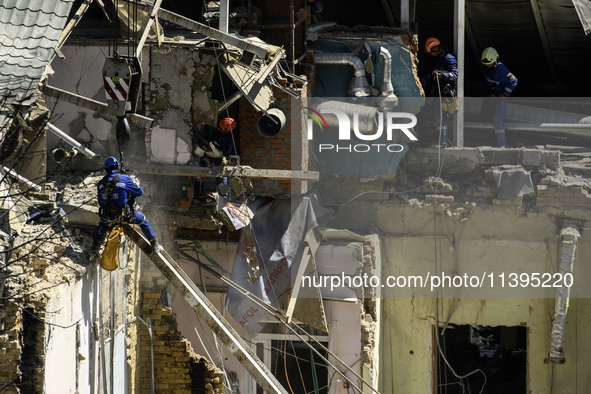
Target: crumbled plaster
(183,152)
(162,145)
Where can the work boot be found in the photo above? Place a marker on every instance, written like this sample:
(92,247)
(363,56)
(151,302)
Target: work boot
(443,141)
(156,248)
(93,251)
(500,134)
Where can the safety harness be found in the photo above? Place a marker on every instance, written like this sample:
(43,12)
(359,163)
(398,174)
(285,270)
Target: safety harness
(111,208)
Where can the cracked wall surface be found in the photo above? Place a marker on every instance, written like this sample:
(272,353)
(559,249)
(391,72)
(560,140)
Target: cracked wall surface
(460,222)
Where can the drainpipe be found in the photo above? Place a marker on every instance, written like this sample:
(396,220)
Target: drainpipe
(21,178)
(569,235)
(358,86)
(389,99)
(71,141)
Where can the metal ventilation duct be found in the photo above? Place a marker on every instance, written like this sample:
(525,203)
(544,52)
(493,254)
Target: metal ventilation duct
(358,86)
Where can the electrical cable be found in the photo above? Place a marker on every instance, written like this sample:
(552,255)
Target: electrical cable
(314,377)
(279,316)
(285,361)
(298,365)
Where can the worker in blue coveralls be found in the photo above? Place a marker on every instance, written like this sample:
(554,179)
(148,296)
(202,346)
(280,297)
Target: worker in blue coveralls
(500,82)
(116,193)
(442,83)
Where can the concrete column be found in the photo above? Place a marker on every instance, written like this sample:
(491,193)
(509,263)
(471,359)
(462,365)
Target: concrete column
(459,38)
(224,15)
(404,14)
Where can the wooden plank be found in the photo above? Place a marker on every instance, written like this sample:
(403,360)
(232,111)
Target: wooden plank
(153,14)
(93,105)
(71,25)
(544,38)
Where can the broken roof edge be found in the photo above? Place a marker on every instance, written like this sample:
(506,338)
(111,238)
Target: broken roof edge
(241,43)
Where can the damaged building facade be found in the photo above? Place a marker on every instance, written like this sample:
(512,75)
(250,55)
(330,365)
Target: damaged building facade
(294,260)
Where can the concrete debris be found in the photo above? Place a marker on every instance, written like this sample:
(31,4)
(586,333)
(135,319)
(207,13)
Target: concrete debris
(436,185)
(513,183)
(439,198)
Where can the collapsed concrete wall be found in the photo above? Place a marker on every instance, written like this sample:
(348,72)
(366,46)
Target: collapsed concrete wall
(67,325)
(467,221)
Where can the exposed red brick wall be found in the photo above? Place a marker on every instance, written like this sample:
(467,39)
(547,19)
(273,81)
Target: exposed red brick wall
(272,152)
(177,368)
(278,31)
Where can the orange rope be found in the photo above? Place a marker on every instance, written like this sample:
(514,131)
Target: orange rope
(285,361)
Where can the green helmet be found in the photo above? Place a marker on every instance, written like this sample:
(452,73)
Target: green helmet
(489,56)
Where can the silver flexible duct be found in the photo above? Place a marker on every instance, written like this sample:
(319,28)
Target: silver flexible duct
(388,98)
(387,89)
(358,86)
(569,235)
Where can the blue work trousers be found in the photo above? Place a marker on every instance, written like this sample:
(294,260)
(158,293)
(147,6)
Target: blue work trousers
(137,217)
(499,112)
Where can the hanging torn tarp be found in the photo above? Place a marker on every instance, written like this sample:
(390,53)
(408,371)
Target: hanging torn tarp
(266,250)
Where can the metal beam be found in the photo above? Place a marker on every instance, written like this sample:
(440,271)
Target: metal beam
(190,24)
(93,105)
(227,171)
(310,245)
(101,4)
(472,40)
(543,37)
(209,314)
(389,14)
(153,13)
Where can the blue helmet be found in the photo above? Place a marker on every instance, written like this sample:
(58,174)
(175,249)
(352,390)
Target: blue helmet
(110,162)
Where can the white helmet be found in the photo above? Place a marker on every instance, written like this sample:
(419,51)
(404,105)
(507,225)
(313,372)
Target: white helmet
(489,56)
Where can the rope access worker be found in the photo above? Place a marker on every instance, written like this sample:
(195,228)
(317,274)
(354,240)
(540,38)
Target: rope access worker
(441,82)
(116,193)
(500,83)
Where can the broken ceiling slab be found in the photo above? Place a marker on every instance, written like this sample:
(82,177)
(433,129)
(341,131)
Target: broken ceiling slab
(466,160)
(249,46)
(226,171)
(331,234)
(246,80)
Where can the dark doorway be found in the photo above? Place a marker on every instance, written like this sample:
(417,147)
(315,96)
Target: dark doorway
(481,359)
(295,365)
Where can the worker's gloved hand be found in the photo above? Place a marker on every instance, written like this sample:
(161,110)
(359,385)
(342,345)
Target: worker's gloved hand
(492,92)
(438,73)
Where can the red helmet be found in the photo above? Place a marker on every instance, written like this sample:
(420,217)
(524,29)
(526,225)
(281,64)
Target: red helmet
(430,43)
(226,125)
